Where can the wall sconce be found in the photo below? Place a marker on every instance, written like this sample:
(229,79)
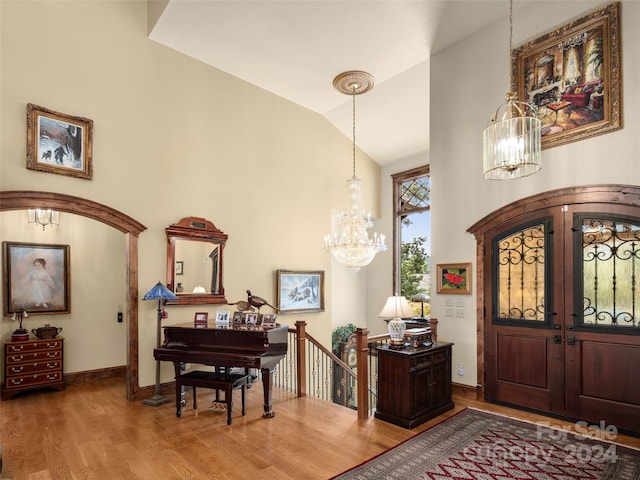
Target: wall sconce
(43,217)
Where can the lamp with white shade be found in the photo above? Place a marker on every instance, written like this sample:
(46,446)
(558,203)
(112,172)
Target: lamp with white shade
(396,307)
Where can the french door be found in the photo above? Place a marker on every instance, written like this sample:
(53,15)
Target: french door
(561,312)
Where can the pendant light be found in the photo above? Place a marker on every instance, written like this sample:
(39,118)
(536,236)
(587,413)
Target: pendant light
(351,245)
(512,140)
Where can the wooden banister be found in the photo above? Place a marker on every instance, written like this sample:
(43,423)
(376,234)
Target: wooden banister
(301,358)
(362,352)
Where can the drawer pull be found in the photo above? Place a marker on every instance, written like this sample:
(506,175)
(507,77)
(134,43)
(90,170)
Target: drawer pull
(17,348)
(52,365)
(52,377)
(17,359)
(17,381)
(52,345)
(17,369)
(52,354)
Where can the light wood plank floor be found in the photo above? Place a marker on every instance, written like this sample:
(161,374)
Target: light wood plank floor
(90,431)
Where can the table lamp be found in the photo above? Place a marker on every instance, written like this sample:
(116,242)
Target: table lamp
(396,307)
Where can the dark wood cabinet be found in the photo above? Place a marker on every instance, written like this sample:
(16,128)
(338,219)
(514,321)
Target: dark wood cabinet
(414,385)
(32,364)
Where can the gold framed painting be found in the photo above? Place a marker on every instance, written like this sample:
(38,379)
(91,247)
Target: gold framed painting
(59,143)
(573,76)
(454,278)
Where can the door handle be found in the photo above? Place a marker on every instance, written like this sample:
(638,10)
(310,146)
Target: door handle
(571,340)
(557,339)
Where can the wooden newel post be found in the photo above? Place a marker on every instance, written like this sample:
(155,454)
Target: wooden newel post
(362,347)
(301,358)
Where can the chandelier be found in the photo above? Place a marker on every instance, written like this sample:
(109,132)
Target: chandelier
(511,141)
(350,244)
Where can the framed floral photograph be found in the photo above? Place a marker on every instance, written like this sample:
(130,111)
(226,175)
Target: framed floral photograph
(300,291)
(454,278)
(573,75)
(59,143)
(36,278)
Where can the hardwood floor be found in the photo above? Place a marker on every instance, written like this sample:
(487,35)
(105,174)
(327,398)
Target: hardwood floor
(90,431)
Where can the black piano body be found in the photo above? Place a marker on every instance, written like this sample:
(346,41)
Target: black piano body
(239,346)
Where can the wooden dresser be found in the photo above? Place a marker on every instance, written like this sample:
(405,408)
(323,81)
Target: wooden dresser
(414,385)
(32,364)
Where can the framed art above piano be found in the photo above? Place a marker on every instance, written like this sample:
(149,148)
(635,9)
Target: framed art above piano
(196,245)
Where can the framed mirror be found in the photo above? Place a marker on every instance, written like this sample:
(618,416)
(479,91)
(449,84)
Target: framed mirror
(194,262)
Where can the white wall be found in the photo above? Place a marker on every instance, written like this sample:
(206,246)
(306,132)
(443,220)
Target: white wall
(174,138)
(468,82)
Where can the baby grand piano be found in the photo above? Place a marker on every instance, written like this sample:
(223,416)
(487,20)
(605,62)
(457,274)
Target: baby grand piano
(239,346)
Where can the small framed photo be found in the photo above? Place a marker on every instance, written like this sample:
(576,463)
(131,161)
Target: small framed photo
(36,278)
(251,319)
(201,318)
(237,319)
(59,143)
(300,291)
(222,319)
(179,267)
(454,278)
(269,320)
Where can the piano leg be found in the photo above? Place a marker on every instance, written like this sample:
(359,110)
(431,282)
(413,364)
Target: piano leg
(266,385)
(178,366)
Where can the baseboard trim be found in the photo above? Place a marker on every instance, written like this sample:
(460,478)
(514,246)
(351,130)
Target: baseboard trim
(467,391)
(87,376)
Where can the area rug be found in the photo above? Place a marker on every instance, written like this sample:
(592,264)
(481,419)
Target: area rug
(478,445)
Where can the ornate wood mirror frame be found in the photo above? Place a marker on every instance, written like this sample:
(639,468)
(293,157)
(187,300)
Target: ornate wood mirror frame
(196,246)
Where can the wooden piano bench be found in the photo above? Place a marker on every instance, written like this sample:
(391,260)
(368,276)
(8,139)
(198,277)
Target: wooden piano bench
(219,380)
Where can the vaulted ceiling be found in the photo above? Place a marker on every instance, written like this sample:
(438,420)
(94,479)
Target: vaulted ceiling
(295,48)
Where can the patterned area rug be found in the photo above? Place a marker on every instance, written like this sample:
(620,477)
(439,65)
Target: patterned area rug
(478,445)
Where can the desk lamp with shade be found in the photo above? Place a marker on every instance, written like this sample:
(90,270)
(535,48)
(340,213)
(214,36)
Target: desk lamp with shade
(397,307)
(421,298)
(158,292)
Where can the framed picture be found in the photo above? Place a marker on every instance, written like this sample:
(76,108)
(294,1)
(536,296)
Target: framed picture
(201,317)
(36,278)
(573,76)
(237,319)
(222,319)
(59,143)
(251,319)
(269,320)
(300,291)
(179,267)
(454,278)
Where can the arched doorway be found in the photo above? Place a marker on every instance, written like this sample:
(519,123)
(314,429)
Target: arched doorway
(25,199)
(557,327)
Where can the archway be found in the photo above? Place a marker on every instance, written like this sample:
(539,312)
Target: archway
(25,199)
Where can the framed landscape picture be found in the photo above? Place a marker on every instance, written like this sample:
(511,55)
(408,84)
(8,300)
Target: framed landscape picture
(300,291)
(454,278)
(573,75)
(36,278)
(59,143)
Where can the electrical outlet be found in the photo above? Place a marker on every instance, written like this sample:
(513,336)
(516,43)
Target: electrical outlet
(119,317)
(461,370)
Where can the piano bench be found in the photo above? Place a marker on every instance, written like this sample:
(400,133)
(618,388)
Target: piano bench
(219,380)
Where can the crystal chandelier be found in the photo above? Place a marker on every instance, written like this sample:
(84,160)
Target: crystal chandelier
(511,142)
(351,245)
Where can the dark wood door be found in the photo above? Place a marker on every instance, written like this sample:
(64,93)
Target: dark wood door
(523,349)
(563,313)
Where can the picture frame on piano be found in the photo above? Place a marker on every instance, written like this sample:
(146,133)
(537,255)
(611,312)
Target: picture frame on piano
(269,320)
(237,319)
(251,320)
(222,319)
(201,319)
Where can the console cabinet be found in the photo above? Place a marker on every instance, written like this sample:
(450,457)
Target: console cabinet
(414,385)
(32,364)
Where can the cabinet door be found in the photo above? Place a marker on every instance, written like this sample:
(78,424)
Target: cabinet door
(422,392)
(441,383)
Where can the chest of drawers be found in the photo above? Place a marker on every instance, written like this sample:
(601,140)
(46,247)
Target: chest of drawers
(32,364)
